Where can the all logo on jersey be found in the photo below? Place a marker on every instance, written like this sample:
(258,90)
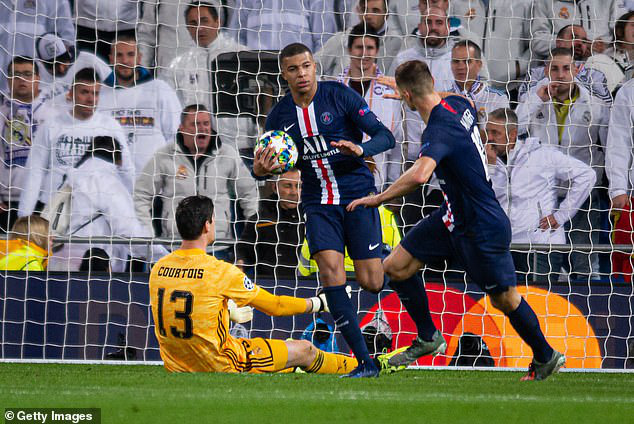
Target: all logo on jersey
(326,118)
(248,284)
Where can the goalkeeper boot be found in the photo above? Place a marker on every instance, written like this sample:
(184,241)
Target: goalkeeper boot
(401,358)
(538,371)
(364,370)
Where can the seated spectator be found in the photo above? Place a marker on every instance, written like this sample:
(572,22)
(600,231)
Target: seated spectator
(561,112)
(466,63)
(527,177)
(27,247)
(574,38)
(22,111)
(146,108)
(617,63)
(101,22)
(59,62)
(334,56)
(596,16)
(271,25)
(64,137)
(22,22)
(102,206)
(272,238)
(198,162)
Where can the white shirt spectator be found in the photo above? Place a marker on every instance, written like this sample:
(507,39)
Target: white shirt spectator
(58,144)
(107,15)
(620,144)
(149,114)
(528,186)
(485,98)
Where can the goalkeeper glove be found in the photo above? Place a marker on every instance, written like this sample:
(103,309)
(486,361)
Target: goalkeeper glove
(320,304)
(239,314)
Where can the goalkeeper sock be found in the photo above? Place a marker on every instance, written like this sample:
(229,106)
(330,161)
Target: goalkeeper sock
(331,363)
(345,317)
(525,322)
(413,296)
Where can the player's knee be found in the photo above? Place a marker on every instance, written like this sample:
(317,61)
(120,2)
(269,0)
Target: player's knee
(507,301)
(307,349)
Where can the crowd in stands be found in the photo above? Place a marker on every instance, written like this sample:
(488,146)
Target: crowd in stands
(114,99)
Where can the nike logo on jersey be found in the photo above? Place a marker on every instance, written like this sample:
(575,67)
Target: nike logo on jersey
(289,127)
(373,246)
(490,287)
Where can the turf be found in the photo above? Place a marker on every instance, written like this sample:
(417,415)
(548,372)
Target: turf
(148,394)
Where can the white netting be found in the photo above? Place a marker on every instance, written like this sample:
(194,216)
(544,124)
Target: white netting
(570,165)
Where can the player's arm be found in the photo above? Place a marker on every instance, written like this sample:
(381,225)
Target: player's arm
(417,175)
(278,306)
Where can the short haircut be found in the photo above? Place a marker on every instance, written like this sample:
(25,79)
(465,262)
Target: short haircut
(560,51)
(21,60)
(505,115)
(386,4)
(293,49)
(562,31)
(32,229)
(619,26)
(96,260)
(191,215)
(468,44)
(193,108)
(200,4)
(415,76)
(86,75)
(128,37)
(361,30)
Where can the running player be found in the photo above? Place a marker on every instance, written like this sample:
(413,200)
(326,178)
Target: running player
(190,292)
(470,227)
(327,121)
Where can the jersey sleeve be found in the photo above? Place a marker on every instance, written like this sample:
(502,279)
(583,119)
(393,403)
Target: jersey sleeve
(433,144)
(271,120)
(239,287)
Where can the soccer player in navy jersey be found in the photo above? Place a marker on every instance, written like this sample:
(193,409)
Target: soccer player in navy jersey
(471,226)
(327,121)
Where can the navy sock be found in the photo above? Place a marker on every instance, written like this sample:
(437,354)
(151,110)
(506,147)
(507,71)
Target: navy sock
(345,317)
(525,322)
(413,296)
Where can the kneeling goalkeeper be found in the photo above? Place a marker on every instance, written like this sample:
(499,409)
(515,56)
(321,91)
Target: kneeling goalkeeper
(190,292)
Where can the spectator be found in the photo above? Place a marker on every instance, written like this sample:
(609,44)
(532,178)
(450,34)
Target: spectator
(405,15)
(28,245)
(334,57)
(561,112)
(574,38)
(617,63)
(271,25)
(102,206)
(95,260)
(597,17)
(62,140)
(22,22)
(197,163)
(146,108)
(100,23)
(361,75)
(466,63)
(272,238)
(534,173)
(22,111)
(59,63)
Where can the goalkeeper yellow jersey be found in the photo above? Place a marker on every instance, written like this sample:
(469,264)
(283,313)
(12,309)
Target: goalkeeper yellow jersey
(189,291)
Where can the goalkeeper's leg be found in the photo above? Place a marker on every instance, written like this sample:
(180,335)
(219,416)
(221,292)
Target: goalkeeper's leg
(303,354)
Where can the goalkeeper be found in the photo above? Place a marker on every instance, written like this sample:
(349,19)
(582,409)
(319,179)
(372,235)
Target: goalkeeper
(190,292)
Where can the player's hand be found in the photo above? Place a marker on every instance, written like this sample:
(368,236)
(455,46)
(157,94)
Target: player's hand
(239,314)
(548,223)
(371,201)
(347,148)
(492,156)
(265,162)
(622,201)
(320,304)
(390,82)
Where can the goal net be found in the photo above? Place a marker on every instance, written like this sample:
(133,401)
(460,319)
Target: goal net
(113,112)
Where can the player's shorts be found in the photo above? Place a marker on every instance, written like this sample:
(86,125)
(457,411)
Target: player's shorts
(265,355)
(486,258)
(331,227)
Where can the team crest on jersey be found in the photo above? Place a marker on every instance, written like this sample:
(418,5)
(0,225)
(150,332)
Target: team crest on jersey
(587,117)
(181,173)
(248,284)
(563,13)
(326,118)
(364,110)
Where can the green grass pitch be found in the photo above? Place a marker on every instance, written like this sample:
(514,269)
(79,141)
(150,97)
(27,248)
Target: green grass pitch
(148,394)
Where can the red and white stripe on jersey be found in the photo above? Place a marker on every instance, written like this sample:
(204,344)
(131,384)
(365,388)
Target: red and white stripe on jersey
(308,127)
(447,218)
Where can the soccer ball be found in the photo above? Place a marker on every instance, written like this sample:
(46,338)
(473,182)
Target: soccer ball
(284,146)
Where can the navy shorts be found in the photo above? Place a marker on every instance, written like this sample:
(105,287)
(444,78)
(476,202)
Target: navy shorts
(486,258)
(331,227)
